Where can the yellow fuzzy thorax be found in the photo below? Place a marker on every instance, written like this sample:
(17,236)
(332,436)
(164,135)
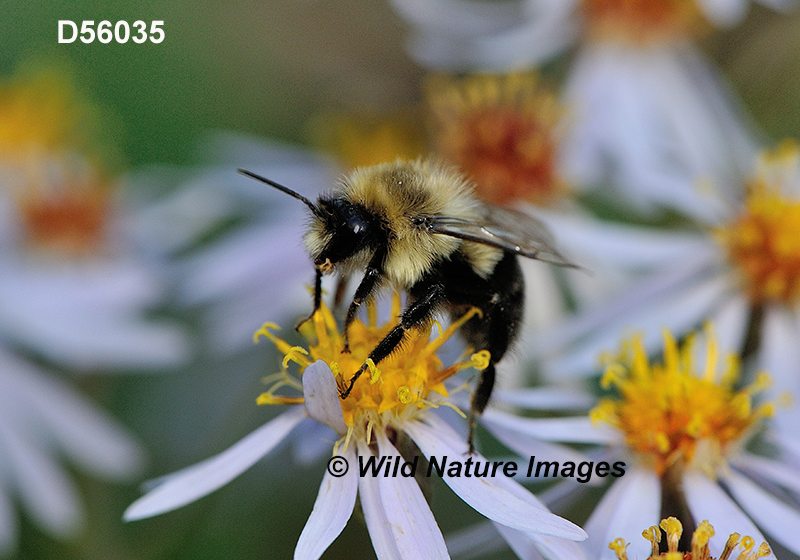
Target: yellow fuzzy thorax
(643,22)
(674,529)
(675,413)
(502,131)
(407,381)
(50,168)
(763,242)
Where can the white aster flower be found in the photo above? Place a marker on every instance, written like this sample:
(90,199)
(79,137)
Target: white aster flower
(741,271)
(388,416)
(647,113)
(681,427)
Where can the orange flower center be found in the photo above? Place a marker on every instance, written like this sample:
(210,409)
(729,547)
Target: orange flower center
(501,131)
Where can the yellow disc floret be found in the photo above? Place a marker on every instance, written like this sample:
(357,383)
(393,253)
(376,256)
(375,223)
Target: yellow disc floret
(674,529)
(675,413)
(763,242)
(409,379)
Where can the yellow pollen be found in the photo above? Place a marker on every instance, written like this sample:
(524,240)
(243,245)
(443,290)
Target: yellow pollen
(404,382)
(619,546)
(674,414)
(674,529)
(653,535)
(700,538)
(502,131)
(643,22)
(763,242)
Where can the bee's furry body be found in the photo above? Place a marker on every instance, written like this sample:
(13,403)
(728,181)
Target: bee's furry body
(396,194)
(417,226)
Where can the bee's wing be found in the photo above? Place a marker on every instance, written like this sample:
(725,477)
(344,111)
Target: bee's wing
(506,229)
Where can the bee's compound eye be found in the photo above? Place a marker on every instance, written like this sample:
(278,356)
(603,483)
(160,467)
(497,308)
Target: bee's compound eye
(356,225)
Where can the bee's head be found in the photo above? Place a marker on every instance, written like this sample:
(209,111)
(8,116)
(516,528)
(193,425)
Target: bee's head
(339,230)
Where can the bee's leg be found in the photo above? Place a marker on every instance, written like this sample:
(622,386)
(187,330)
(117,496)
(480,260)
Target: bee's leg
(415,314)
(317,298)
(480,398)
(496,330)
(368,285)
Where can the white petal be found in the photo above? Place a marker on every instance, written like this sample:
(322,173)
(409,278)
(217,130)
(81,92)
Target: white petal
(544,398)
(779,520)
(316,443)
(730,324)
(724,13)
(203,478)
(486,496)
(90,316)
(43,486)
(85,433)
(407,512)
(631,505)
(477,541)
(679,313)
(528,545)
(648,291)
(332,510)
(579,429)
(460,17)
(780,473)
(708,501)
(380,533)
(780,357)
(623,245)
(322,396)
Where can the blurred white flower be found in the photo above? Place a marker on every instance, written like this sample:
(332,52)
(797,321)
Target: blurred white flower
(259,267)
(388,416)
(647,114)
(75,290)
(74,285)
(680,427)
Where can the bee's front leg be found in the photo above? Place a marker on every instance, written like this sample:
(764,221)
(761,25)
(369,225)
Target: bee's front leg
(317,298)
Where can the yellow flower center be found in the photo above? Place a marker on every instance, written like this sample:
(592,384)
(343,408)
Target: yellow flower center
(763,242)
(501,131)
(674,529)
(643,21)
(62,198)
(407,381)
(672,413)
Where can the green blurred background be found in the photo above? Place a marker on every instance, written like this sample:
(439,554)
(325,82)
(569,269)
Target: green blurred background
(266,68)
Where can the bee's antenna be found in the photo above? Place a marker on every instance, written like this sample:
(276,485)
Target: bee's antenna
(281,188)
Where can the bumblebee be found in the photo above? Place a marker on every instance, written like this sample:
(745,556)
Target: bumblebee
(417,226)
